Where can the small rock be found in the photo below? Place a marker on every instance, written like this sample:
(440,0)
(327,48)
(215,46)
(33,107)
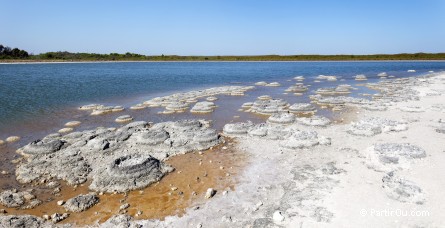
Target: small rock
(277,216)
(12,139)
(52,184)
(56,190)
(46,217)
(60,202)
(56,217)
(210,193)
(257,206)
(124,206)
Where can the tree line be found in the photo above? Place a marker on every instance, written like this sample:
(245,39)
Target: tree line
(12,53)
(8,54)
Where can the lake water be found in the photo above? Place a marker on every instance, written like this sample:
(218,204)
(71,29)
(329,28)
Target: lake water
(42,96)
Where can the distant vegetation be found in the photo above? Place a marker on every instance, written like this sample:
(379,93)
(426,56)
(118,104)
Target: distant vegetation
(8,54)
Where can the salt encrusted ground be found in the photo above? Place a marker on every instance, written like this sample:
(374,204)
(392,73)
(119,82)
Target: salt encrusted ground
(338,185)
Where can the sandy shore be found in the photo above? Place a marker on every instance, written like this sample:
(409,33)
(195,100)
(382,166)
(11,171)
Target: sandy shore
(338,185)
(380,168)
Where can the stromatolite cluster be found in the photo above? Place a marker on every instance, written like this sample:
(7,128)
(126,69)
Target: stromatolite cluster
(402,190)
(302,108)
(81,202)
(120,159)
(289,137)
(98,109)
(23,200)
(129,172)
(267,107)
(393,156)
(203,107)
(374,125)
(180,102)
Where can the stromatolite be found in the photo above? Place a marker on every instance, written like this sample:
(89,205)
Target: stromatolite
(129,172)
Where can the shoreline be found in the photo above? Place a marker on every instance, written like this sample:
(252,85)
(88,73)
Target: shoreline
(267,162)
(193,61)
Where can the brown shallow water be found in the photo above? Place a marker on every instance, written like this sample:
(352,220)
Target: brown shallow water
(194,173)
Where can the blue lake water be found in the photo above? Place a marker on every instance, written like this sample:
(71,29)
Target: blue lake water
(31,91)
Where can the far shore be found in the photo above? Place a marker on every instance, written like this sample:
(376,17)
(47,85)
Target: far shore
(200,61)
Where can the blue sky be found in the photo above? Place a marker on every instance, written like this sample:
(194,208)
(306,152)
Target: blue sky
(225,27)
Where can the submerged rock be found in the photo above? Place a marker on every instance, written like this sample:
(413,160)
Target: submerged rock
(360,77)
(298,88)
(383,74)
(274,84)
(12,139)
(124,118)
(261,83)
(178,102)
(73,123)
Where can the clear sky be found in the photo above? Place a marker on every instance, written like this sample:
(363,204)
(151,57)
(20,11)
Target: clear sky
(224,27)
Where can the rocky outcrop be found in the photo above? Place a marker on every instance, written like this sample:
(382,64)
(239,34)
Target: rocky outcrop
(14,199)
(81,202)
(112,158)
(374,125)
(23,221)
(289,136)
(402,190)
